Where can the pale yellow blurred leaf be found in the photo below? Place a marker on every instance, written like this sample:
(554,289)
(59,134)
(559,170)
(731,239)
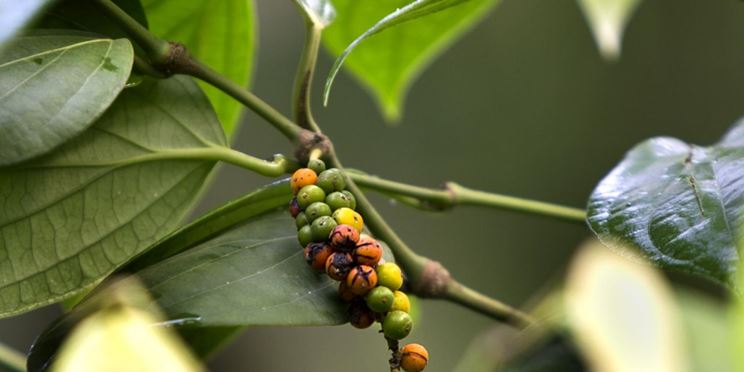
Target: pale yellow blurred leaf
(623,314)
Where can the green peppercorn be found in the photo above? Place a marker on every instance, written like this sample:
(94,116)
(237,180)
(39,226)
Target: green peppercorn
(380,299)
(309,195)
(351,197)
(331,180)
(389,275)
(305,235)
(301,220)
(397,325)
(317,165)
(340,199)
(322,227)
(317,209)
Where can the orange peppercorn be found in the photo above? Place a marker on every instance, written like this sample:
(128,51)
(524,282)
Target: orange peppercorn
(414,358)
(344,238)
(338,265)
(301,178)
(344,292)
(360,316)
(361,279)
(367,252)
(316,255)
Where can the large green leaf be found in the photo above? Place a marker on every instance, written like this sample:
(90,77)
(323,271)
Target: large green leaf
(607,19)
(678,203)
(389,62)
(54,87)
(68,14)
(219,33)
(14,15)
(71,217)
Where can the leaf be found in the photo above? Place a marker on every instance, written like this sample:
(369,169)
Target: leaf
(388,63)
(622,315)
(678,203)
(14,15)
(68,14)
(54,87)
(120,336)
(220,33)
(318,12)
(607,19)
(74,215)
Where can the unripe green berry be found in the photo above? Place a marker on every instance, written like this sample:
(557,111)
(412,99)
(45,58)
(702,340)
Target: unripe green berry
(309,195)
(401,302)
(301,220)
(397,325)
(331,180)
(351,197)
(305,235)
(321,228)
(340,199)
(389,275)
(317,209)
(317,165)
(380,299)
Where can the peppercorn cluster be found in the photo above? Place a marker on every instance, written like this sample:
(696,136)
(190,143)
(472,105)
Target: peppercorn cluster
(330,230)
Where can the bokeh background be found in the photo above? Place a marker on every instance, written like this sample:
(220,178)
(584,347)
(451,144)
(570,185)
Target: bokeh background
(522,105)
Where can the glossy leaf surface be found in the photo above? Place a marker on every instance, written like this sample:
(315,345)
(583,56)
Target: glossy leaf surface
(54,87)
(678,203)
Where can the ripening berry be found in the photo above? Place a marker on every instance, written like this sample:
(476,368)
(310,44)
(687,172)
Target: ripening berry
(347,216)
(316,255)
(331,180)
(340,199)
(397,325)
(360,316)
(309,195)
(294,209)
(380,299)
(367,252)
(338,265)
(344,238)
(401,302)
(344,292)
(305,235)
(301,220)
(321,228)
(316,210)
(316,165)
(414,358)
(361,279)
(301,178)
(389,275)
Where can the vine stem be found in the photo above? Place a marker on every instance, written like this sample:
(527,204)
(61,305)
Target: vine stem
(428,278)
(11,359)
(303,81)
(454,194)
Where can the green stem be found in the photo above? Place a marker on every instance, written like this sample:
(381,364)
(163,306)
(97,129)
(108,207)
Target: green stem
(288,128)
(304,79)
(157,49)
(11,359)
(485,305)
(454,194)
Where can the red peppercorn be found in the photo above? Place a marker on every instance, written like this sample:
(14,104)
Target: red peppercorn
(294,208)
(316,255)
(361,279)
(344,292)
(367,252)
(338,265)
(344,238)
(360,316)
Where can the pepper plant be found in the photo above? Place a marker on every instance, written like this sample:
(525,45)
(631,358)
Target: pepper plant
(114,114)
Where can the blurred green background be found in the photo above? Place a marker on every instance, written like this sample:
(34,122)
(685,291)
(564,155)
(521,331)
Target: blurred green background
(522,105)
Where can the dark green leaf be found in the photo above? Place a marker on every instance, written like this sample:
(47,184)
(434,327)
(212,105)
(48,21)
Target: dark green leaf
(71,217)
(608,19)
(678,203)
(14,15)
(388,63)
(54,87)
(219,33)
(69,14)
(318,12)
